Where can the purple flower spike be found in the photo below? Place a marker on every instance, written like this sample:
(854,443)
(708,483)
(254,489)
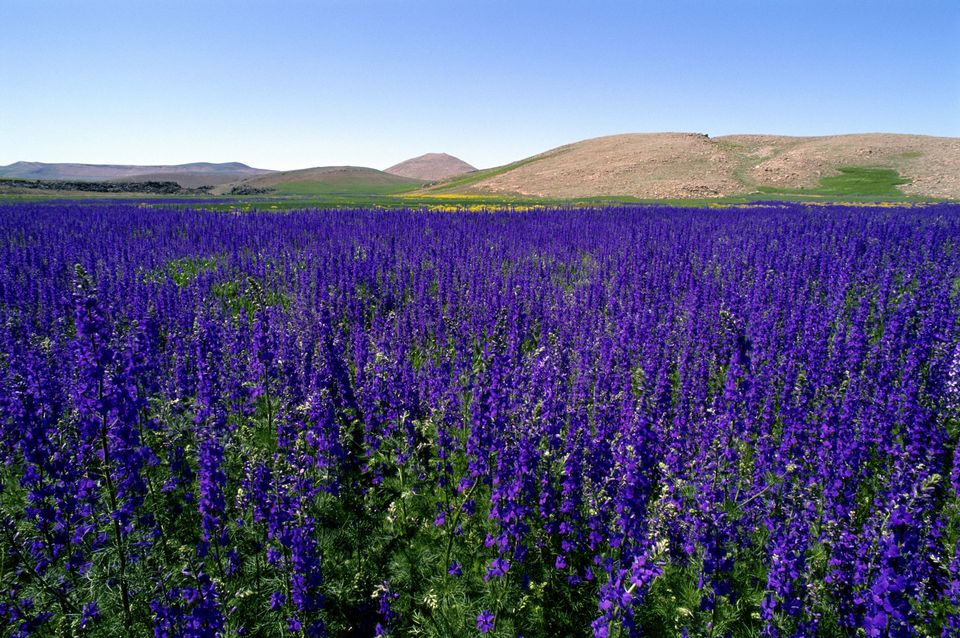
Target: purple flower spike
(485,621)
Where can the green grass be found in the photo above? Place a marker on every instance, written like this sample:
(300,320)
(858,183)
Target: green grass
(860,180)
(342,188)
(288,202)
(854,182)
(183,271)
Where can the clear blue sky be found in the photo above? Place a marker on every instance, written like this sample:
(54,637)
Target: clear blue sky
(372,82)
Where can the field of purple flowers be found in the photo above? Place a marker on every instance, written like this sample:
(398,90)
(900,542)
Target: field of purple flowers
(608,422)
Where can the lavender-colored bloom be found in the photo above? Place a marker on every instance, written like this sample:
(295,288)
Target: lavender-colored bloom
(498,567)
(485,621)
(90,613)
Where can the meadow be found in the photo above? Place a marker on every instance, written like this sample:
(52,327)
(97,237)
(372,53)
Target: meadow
(611,421)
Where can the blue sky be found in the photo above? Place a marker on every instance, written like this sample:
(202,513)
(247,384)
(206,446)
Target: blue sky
(372,82)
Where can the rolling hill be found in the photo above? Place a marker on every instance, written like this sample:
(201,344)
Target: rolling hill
(431,167)
(187,175)
(639,166)
(692,165)
(325,181)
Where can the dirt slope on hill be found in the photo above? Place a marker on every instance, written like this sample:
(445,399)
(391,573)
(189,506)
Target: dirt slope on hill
(431,167)
(932,164)
(691,165)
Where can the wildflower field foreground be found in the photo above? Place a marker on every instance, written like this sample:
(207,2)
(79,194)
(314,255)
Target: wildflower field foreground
(602,422)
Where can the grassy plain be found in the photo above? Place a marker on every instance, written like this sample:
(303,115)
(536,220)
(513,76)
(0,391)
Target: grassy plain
(853,184)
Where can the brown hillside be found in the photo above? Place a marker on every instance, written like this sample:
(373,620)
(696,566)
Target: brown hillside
(931,163)
(689,165)
(658,165)
(431,167)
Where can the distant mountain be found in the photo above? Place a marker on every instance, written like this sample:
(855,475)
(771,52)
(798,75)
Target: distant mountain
(431,167)
(325,181)
(187,175)
(694,165)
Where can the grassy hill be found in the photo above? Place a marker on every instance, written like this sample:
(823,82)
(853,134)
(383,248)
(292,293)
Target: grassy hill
(344,181)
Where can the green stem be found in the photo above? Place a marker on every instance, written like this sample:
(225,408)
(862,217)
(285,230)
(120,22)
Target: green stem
(453,526)
(117,532)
